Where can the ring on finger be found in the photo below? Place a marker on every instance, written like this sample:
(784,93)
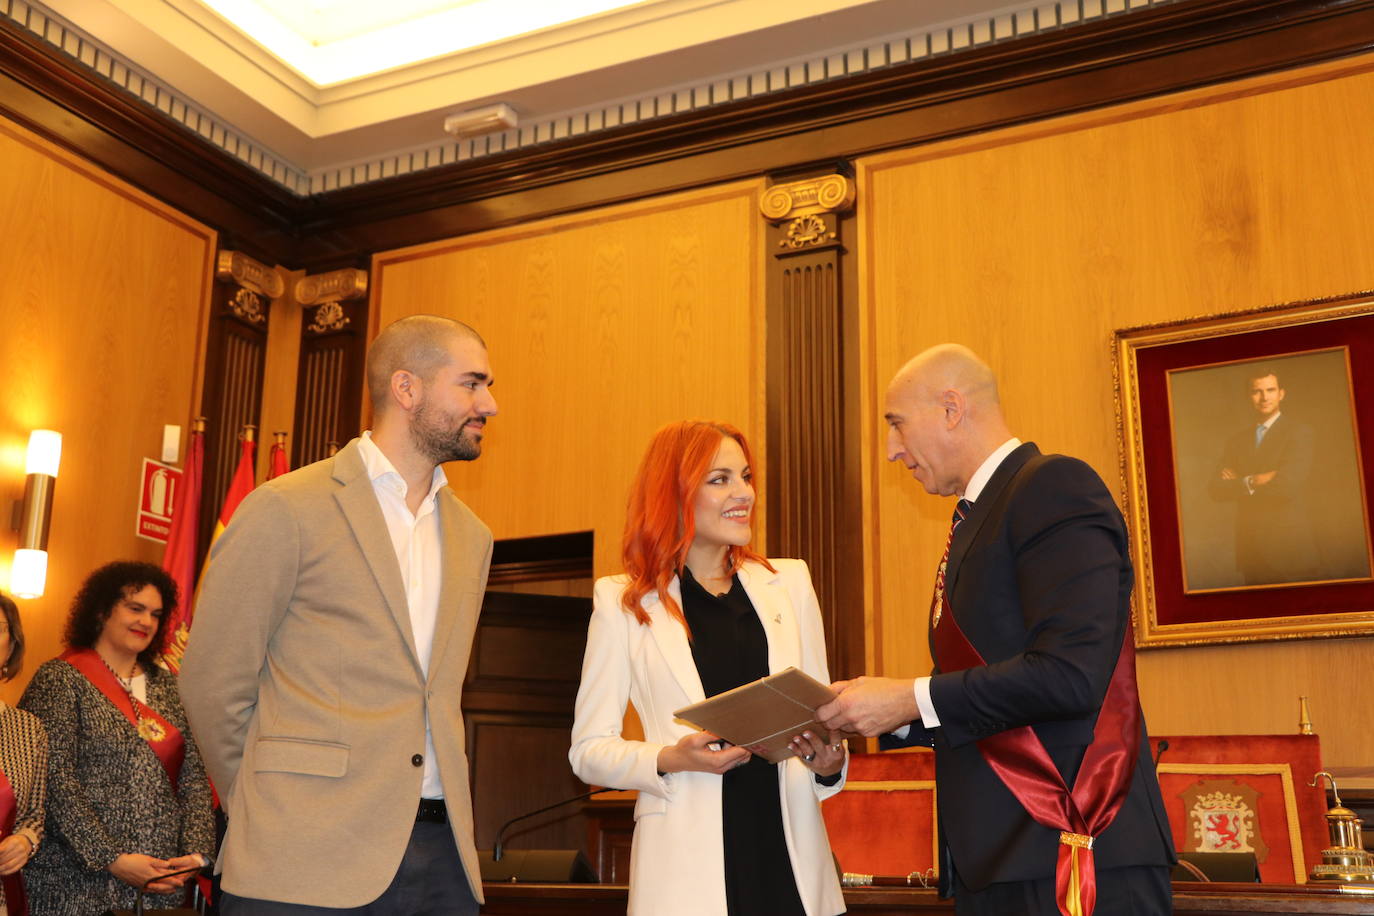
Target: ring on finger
(835,747)
(809,757)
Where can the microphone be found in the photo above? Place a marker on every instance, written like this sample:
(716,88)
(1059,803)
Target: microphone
(497,851)
(1160,748)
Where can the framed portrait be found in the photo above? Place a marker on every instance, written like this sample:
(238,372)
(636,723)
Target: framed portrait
(1247,462)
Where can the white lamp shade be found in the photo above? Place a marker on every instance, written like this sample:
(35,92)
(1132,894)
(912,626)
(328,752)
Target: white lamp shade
(29,573)
(45,452)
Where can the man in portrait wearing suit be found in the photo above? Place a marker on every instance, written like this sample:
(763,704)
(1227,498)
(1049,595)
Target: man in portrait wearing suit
(1045,786)
(324,673)
(1266,470)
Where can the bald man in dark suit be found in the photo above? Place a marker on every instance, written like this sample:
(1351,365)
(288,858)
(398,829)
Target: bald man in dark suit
(1030,632)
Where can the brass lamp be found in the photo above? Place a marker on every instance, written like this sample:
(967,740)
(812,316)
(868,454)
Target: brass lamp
(1345,859)
(29,573)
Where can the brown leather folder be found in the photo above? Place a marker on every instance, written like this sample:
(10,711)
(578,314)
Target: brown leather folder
(764,716)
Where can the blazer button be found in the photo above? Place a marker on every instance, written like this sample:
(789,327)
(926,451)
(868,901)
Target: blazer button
(418,760)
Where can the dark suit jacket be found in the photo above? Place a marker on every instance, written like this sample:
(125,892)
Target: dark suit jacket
(1039,579)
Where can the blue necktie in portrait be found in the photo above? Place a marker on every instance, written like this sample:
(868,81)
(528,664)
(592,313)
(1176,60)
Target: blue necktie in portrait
(1259,434)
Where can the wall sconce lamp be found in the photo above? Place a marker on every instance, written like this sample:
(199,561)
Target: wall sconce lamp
(29,573)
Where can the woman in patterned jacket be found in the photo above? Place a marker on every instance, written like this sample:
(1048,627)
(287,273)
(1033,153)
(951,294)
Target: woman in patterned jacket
(23,772)
(129,802)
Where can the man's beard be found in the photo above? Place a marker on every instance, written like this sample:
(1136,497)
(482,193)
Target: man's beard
(439,443)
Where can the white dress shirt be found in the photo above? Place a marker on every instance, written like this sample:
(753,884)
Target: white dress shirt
(976,483)
(417,540)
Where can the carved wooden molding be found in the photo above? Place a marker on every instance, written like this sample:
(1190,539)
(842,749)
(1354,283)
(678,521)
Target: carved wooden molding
(327,292)
(826,194)
(805,206)
(328,318)
(252,275)
(337,285)
(247,305)
(813,493)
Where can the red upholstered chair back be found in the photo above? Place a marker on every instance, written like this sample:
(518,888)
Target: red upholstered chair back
(883,822)
(1247,793)
(1223,793)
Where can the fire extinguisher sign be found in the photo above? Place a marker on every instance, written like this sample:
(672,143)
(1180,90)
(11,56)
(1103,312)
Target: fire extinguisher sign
(160,482)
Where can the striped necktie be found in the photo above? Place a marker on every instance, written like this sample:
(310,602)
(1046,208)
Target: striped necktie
(1259,434)
(961,511)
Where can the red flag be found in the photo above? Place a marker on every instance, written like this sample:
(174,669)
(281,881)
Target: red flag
(277,464)
(239,487)
(180,557)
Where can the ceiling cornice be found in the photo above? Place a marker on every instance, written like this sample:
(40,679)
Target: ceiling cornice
(672,56)
(1161,50)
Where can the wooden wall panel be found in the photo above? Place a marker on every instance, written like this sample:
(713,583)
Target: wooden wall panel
(279,373)
(102,297)
(518,711)
(1032,244)
(601,328)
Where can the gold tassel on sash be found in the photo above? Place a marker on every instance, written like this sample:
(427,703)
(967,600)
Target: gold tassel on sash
(1072,904)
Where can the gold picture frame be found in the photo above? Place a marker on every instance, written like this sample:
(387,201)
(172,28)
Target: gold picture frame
(1279,549)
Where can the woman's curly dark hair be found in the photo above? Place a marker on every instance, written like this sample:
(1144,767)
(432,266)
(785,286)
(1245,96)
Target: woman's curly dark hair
(105,588)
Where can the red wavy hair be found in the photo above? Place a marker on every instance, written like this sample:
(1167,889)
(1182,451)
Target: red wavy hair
(661,522)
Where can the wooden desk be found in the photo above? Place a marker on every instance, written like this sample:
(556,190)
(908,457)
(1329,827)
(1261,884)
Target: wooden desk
(1191,899)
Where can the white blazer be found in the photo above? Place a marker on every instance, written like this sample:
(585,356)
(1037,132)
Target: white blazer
(677,865)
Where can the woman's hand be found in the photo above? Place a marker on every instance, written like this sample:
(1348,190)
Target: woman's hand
(821,758)
(136,870)
(181,863)
(15,851)
(692,754)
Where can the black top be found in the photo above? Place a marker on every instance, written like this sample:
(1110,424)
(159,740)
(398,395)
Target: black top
(730,649)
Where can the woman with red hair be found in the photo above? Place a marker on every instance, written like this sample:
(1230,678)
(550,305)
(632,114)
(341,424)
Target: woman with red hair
(696,613)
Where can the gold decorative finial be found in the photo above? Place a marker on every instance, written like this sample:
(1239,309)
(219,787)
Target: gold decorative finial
(1304,718)
(250,432)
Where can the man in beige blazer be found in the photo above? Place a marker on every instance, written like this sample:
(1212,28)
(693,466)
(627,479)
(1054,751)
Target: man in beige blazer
(324,673)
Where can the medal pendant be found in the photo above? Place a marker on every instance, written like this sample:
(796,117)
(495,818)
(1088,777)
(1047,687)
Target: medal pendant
(151,730)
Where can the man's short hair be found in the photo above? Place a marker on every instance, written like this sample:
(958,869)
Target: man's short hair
(1263,372)
(418,344)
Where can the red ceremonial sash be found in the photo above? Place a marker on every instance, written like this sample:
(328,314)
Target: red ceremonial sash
(15,899)
(162,736)
(1020,760)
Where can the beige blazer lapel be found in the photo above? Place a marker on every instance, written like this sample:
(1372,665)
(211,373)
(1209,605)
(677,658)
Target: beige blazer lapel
(359,504)
(671,637)
(456,544)
(776,613)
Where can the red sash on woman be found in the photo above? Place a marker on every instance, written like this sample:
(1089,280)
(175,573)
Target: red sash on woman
(15,900)
(162,736)
(1024,766)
